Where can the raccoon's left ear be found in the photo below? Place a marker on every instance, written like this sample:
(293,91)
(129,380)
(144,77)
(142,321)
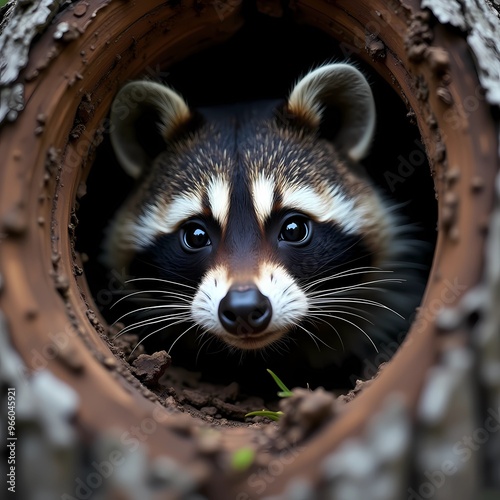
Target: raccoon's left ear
(343,89)
(144,116)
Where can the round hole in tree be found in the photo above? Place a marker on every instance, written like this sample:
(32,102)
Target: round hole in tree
(359,306)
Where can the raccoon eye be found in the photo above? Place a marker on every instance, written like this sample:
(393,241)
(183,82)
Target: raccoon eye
(295,229)
(194,236)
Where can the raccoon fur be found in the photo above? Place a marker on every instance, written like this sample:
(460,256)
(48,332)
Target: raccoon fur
(256,224)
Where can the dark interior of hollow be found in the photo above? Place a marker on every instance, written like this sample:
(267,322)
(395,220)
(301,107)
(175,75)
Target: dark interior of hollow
(262,61)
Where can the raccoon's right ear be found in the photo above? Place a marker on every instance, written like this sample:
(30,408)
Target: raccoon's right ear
(144,116)
(336,100)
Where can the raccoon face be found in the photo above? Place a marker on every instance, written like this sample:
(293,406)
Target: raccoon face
(257,219)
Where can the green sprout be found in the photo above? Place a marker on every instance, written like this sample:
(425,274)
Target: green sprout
(242,459)
(284,393)
(272,415)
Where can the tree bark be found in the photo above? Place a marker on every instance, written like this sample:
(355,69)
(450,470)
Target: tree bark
(22,21)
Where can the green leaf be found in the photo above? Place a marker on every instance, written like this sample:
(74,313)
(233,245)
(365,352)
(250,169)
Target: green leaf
(243,458)
(285,391)
(273,415)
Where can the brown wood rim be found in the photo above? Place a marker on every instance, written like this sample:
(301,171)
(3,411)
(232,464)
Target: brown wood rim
(42,169)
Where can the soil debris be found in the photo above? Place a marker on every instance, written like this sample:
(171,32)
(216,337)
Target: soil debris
(80,9)
(444,95)
(360,385)
(150,368)
(305,411)
(209,441)
(439,60)
(62,284)
(375,48)
(477,184)
(70,357)
(218,403)
(66,32)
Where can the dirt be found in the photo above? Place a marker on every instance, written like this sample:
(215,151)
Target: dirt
(210,401)
(220,404)
(149,368)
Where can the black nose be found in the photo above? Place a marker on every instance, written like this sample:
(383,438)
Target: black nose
(244,310)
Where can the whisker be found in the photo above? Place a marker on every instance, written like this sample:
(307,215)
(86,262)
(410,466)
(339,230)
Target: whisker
(151,321)
(165,270)
(348,289)
(359,328)
(279,346)
(336,256)
(320,304)
(345,274)
(181,296)
(168,282)
(327,312)
(313,337)
(210,338)
(214,339)
(152,333)
(313,319)
(150,308)
(181,335)
(351,300)
(357,285)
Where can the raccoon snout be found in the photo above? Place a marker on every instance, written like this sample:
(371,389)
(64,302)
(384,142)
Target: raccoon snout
(245,310)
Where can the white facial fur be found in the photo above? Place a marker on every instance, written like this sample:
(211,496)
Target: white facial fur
(288,302)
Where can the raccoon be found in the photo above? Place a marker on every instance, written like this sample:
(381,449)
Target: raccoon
(256,224)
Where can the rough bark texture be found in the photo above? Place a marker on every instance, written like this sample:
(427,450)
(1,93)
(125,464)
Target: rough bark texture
(427,426)
(480,21)
(22,22)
